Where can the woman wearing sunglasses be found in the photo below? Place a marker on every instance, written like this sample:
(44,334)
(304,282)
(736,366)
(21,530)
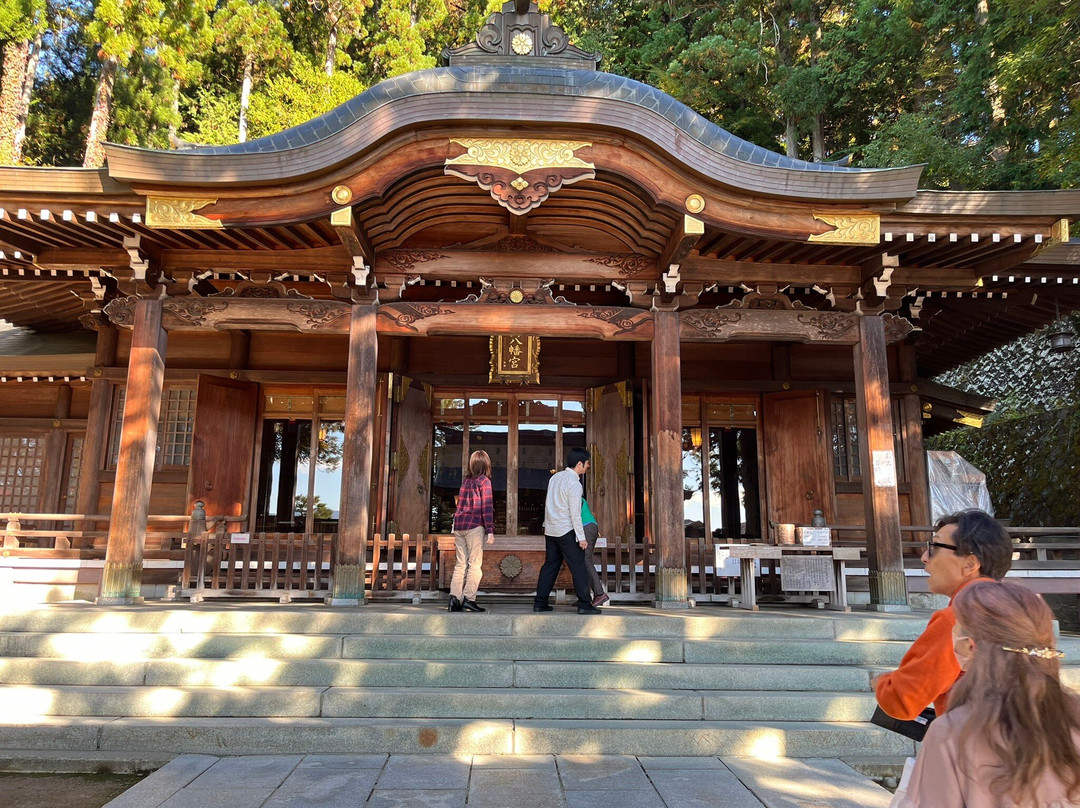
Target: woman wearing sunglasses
(1011,737)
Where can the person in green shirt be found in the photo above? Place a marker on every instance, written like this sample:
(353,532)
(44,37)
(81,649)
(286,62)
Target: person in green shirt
(592,531)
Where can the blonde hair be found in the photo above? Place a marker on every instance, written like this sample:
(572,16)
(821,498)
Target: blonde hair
(479,464)
(1016,704)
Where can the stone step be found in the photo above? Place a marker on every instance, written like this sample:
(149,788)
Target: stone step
(131,646)
(426,673)
(245,736)
(616,623)
(27,702)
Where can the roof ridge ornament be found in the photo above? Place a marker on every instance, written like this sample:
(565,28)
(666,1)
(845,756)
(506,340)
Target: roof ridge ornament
(520,34)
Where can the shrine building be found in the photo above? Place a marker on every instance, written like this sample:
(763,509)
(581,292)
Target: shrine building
(309,333)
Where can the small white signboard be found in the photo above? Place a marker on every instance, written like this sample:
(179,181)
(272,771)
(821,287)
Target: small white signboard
(814,536)
(601,541)
(240,538)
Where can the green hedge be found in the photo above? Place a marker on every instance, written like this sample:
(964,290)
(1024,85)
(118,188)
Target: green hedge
(1032,465)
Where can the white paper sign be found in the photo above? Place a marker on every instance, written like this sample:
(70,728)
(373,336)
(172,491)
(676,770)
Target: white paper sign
(601,541)
(884,469)
(240,538)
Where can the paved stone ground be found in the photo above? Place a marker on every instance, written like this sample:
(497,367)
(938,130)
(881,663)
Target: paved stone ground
(540,781)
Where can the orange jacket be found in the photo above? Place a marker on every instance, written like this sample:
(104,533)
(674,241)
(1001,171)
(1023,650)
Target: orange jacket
(927,672)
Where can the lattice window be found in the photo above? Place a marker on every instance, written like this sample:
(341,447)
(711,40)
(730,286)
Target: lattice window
(175,427)
(845,440)
(22,459)
(71,490)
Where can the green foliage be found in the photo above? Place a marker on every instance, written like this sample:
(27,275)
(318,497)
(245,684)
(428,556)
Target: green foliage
(21,20)
(1031,465)
(1030,446)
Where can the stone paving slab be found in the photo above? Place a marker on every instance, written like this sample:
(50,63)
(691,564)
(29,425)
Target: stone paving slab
(498,781)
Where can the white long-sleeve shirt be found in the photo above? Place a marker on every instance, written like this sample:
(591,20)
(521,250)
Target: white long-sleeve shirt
(562,509)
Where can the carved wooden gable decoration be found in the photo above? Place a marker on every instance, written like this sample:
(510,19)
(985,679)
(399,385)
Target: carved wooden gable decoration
(519,173)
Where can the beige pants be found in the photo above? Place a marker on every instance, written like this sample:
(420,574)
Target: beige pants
(470,555)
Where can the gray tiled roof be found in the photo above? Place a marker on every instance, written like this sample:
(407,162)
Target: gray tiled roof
(519,80)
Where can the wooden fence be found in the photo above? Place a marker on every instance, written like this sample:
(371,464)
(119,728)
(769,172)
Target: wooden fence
(284,566)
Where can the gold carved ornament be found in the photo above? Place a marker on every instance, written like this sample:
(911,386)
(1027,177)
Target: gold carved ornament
(850,228)
(520,173)
(178,213)
(515,359)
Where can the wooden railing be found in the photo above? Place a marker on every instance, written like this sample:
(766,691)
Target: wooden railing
(405,566)
(284,566)
(58,531)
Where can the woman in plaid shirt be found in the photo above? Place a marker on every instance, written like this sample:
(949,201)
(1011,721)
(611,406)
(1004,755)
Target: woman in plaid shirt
(474,517)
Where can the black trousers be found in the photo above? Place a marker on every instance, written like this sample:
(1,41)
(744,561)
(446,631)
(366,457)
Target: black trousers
(559,549)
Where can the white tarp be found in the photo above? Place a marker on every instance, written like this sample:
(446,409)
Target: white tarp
(955,485)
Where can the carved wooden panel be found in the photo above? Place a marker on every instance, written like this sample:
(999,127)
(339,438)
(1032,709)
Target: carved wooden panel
(798,468)
(223,445)
(411,492)
(609,433)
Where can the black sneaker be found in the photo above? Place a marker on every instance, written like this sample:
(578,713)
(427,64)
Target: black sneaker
(543,608)
(589,610)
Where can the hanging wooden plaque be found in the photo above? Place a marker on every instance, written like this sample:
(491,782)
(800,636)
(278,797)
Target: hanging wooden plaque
(515,359)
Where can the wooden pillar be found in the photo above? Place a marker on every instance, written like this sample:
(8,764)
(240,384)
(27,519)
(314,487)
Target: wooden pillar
(97,425)
(354,528)
(914,450)
(122,578)
(667,495)
(888,591)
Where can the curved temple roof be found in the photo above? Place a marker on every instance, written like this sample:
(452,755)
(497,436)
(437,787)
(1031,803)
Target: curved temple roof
(513,94)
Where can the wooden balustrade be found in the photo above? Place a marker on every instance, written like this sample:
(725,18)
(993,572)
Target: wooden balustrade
(283,566)
(404,566)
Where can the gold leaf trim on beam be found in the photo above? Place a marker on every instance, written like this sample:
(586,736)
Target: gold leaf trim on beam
(519,155)
(969,419)
(851,228)
(178,213)
(1059,234)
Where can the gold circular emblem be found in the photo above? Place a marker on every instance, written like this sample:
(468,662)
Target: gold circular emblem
(516,295)
(522,43)
(342,194)
(510,566)
(695,203)
(56,424)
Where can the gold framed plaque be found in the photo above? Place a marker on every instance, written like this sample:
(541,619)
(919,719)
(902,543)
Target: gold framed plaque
(515,359)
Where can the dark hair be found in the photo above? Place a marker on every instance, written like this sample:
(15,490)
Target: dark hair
(577,455)
(981,535)
(479,464)
(1014,700)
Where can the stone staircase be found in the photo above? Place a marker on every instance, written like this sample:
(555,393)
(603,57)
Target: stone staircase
(82,683)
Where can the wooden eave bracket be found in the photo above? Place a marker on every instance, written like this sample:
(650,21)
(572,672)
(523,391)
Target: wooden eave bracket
(356,242)
(877,274)
(679,245)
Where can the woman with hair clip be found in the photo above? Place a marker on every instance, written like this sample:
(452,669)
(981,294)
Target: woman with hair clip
(475,516)
(1011,737)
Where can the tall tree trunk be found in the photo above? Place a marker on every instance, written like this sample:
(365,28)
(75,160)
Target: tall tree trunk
(331,51)
(16,59)
(27,93)
(99,118)
(993,92)
(791,136)
(245,97)
(174,122)
(817,137)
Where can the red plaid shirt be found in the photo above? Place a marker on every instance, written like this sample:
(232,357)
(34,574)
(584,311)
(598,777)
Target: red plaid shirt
(475,506)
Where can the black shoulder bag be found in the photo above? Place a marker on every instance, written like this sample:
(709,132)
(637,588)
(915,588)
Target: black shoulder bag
(914,729)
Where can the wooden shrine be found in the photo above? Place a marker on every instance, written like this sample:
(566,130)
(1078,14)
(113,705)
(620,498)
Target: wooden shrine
(309,332)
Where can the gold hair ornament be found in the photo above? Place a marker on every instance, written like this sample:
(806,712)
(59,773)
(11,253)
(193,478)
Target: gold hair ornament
(1041,653)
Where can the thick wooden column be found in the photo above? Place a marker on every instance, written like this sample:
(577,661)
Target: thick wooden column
(888,591)
(97,426)
(354,527)
(667,495)
(914,450)
(122,578)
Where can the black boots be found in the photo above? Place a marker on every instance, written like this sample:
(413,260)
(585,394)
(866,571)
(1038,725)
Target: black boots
(454,605)
(471,606)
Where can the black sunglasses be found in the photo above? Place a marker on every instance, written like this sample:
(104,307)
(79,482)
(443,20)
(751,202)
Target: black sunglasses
(931,544)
